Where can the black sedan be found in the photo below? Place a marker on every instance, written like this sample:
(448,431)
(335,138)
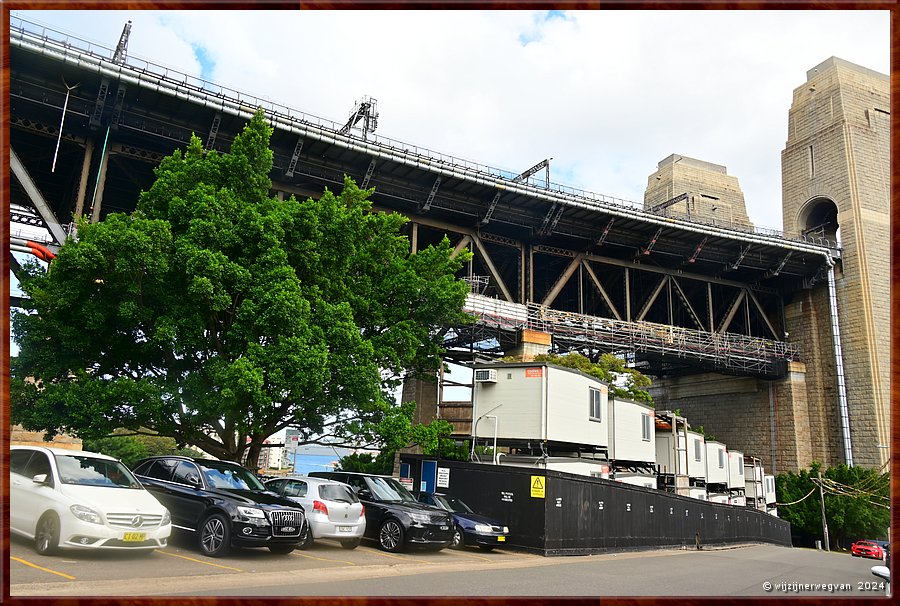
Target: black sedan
(394,518)
(222,504)
(469,528)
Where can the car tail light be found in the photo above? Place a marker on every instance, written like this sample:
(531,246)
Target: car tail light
(362,511)
(320,506)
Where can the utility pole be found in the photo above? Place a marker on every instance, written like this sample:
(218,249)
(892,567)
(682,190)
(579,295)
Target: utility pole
(824,523)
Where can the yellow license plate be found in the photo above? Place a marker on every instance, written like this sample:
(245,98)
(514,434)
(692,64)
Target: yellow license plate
(134,536)
(501,539)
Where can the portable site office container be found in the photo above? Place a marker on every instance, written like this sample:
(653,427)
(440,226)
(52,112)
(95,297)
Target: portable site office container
(716,463)
(632,432)
(769,483)
(696,456)
(539,402)
(735,469)
(636,479)
(753,482)
(666,453)
(576,465)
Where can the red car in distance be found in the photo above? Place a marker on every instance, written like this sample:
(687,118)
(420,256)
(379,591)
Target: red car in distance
(867,549)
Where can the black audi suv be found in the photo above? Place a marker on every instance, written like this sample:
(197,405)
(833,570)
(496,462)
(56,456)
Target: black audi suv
(223,504)
(394,518)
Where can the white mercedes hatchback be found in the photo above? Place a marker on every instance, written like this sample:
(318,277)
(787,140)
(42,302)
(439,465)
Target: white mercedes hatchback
(332,508)
(66,499)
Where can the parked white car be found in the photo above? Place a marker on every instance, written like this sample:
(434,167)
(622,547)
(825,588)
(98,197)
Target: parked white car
(66,499)
(332,508)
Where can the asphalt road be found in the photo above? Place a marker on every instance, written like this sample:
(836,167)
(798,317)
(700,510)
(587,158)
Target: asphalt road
(329,570)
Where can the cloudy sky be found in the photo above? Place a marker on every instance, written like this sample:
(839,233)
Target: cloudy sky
(606,94)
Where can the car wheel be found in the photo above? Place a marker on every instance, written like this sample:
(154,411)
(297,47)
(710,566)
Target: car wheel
(458,541)
(215,536)
(350,543)
(46,534)
(281,549)
(390,537)
(486,547)
(307,540)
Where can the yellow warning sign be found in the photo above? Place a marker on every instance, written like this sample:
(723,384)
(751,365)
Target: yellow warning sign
(537,486)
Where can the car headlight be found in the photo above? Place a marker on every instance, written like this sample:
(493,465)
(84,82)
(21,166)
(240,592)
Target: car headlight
(421,518)
(86,514)
(505,530)
(482,528)
(251,512)
(166,519)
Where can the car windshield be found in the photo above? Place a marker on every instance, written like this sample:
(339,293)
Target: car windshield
(337,492)
(229,477)
(389,489)
(93,471)
(451,504)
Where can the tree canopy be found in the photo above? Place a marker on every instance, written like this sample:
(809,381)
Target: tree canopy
(218,315)
(856,503)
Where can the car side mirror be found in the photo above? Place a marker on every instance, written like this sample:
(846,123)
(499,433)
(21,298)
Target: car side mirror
(362,493)
(41,478)
(193,479)
(882,572)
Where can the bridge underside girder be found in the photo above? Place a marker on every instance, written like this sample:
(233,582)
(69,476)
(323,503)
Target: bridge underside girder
(532,241)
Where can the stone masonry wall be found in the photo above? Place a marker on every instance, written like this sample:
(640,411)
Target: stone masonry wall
(838,153)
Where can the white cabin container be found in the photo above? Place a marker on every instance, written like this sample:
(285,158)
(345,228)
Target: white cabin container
(637,479)
(753,481)
(697,492)
(581,466)
(735,469)
(540,402)
(696,455)
(632,431)
(716,463)
(718,497)
(666,453)
(769,484)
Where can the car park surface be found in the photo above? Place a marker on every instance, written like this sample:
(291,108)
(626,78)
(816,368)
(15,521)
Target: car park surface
(333,510)
(222,504)
(68,499)
(469,528)
(394,518)
(330,570)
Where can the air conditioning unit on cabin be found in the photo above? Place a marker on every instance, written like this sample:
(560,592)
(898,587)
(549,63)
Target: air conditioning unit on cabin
(486,375)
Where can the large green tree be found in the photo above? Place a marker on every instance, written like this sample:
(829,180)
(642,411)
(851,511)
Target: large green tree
(217,315)
(856,502)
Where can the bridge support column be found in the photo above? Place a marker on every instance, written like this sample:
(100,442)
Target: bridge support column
(531,343)
(85,174)
(425,392)
(742,412)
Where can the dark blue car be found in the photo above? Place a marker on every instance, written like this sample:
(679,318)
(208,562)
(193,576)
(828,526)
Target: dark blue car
(469,528)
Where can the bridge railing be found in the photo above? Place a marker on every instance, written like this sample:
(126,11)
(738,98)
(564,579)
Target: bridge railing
(66,44)
(727,350)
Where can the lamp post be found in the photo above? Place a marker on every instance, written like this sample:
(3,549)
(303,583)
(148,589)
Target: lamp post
(824,522)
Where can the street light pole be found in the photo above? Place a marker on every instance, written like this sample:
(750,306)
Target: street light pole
(824,523)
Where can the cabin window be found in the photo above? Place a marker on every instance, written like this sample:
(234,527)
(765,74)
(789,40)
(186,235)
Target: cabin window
(645,427)
(721,459)
(595,404)
(740,467)
(698,446)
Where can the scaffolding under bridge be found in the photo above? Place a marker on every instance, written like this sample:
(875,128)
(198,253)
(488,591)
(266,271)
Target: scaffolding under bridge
(656,346)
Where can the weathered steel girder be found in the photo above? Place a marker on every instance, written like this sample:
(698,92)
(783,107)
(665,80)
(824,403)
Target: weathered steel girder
(576,251)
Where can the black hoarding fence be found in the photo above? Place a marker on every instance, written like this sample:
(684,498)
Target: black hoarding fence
(558,513)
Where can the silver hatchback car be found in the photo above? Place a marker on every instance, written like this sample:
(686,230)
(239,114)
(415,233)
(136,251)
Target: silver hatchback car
(332,508)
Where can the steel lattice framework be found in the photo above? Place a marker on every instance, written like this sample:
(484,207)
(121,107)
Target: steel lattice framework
(604,274)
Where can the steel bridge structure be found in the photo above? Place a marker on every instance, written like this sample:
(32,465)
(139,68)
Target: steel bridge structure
(88,125)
